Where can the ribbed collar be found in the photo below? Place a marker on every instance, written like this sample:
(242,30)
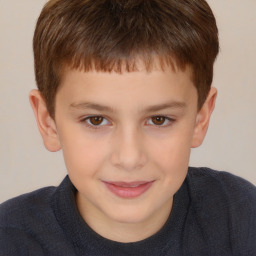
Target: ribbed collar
(88,242)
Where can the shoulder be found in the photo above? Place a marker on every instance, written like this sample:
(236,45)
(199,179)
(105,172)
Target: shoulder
(221,183)
(225,206)
(21,219)
(29,225)
(15,242)
(18,212)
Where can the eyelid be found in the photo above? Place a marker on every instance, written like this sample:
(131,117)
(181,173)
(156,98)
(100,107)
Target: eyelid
(169,119)
(84,121)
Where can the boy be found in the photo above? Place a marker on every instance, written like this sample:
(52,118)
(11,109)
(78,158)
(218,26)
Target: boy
(125,92)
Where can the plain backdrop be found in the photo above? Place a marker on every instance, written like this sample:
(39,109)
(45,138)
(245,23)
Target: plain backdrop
(230,145)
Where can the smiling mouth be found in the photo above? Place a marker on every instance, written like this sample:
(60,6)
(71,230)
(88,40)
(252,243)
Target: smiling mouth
(128,189)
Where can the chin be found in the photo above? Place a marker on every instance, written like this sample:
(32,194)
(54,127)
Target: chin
(130,215)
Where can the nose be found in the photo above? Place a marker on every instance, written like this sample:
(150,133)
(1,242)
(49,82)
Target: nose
(128,151)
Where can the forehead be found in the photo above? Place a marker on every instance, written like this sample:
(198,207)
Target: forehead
(140,90)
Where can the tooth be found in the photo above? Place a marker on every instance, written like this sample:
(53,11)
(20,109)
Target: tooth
(134,186)
(130,186)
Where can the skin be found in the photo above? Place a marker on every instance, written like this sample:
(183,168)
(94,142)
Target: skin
(127,145)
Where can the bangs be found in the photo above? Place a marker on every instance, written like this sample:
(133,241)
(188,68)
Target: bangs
(130,64)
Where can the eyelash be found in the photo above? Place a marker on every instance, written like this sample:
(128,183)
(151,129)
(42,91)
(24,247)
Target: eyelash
(95,127)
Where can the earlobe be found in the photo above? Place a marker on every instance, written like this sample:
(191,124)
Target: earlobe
(203,118)
(45,123)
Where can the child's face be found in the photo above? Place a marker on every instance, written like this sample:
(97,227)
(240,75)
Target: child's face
(128,167)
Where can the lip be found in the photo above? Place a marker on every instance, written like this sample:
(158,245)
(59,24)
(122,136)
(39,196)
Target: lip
(128,189)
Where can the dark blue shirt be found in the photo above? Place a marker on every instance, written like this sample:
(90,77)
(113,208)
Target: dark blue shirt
(213,214)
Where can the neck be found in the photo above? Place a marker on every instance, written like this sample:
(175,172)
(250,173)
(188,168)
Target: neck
(123,231)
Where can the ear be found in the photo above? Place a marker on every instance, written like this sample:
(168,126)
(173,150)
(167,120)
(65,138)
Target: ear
(45,123)
(203,118)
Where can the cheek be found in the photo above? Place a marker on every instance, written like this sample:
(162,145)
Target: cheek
(82,155)
(172,155)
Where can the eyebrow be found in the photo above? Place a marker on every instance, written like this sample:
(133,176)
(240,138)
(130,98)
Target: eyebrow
(89,105)
(172,105)
(99,107)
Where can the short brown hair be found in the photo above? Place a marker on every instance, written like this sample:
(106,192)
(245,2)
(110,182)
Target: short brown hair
(111,35)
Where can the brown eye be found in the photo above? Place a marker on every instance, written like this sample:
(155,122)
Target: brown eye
(158,120)
(96,120)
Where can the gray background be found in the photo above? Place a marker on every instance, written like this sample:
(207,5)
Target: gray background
(230,145)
